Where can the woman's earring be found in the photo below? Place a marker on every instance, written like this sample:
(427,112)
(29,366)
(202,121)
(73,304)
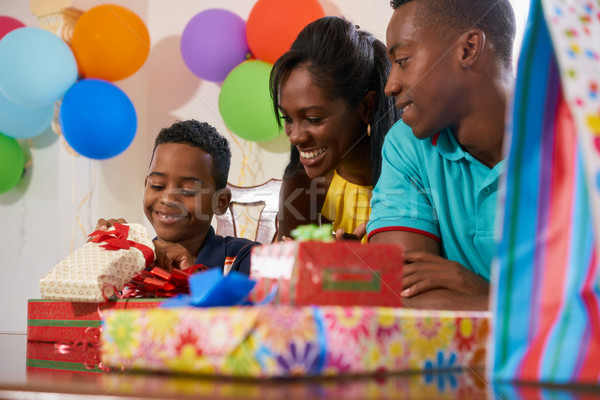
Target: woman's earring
(368,129)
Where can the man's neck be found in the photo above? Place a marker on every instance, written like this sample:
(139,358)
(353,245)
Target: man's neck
(481,133)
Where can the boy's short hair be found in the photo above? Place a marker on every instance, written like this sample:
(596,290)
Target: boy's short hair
(494,17)
(205,137)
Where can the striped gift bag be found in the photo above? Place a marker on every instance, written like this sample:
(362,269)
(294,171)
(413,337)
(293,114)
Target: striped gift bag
(546,297)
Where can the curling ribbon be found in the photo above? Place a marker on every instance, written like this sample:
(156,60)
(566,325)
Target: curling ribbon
(116,239)
(159,283)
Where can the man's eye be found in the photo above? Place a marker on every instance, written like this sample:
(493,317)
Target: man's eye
(188,192)
(156,187)
(402,61)
(314,120)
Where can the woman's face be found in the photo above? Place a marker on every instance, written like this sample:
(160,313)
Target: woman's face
(324,131)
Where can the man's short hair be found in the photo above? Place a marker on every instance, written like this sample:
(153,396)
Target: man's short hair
(495,18)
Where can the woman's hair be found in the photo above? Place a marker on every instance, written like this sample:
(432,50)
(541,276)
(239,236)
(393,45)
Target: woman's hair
(346,63)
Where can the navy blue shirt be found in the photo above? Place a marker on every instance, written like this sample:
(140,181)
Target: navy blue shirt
(228,252)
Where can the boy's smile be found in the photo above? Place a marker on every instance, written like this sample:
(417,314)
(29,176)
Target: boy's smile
(178,194)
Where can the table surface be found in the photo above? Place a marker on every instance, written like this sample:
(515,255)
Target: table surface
(17,382)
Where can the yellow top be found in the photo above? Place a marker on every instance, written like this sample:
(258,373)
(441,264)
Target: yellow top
(347,205)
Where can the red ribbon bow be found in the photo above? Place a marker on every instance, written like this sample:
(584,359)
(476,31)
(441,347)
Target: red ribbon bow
(160,283)
(117,239)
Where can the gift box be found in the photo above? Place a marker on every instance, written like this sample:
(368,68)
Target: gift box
(283,341)
(101,267)
(65,321)
(55,358)
(319,273)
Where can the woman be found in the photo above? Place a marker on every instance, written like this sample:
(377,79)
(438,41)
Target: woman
(328,90)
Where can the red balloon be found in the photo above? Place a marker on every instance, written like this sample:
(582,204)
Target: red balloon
(274,24)
(8,24)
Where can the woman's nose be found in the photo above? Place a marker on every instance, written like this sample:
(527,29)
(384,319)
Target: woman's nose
(295,133)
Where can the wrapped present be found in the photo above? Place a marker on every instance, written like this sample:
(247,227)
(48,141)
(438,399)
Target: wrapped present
(57,358)
(319,273)
(65,321)
(284,341)
(100,267)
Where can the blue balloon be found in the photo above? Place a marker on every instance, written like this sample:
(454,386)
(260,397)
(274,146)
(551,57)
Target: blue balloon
(23,122)
(97,119)
(36,67)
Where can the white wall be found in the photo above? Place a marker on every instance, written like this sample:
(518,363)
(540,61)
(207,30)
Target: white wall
(61,196)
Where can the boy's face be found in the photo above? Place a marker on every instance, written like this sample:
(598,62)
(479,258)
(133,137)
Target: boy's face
(424,78)
(179,192)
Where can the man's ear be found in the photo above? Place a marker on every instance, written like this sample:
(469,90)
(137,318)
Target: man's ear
(472,44)
(367,106)
(223,198)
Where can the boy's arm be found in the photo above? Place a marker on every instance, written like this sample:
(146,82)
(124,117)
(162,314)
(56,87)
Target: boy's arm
(431,281)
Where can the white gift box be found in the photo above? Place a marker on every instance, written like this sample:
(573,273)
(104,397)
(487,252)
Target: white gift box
(107,265)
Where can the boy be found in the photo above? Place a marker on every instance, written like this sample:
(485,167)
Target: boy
(185,186)
(451,76)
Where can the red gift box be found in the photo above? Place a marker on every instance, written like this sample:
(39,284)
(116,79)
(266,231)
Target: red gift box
(47,357)
(320,273)
(66,321)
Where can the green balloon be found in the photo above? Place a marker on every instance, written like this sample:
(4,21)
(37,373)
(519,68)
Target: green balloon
(245,102)
(12,162)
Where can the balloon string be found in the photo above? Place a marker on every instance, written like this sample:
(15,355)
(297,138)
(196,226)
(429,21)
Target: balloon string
(85,199)
(242,174)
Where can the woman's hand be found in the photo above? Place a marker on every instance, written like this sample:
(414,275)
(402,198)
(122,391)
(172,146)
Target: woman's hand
(358,233)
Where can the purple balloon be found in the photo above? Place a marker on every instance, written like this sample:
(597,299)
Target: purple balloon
(213,43)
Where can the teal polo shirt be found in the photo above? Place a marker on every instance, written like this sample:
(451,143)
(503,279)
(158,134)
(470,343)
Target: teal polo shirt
(435,188)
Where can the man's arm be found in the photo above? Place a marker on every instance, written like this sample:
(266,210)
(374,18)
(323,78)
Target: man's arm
(432,282)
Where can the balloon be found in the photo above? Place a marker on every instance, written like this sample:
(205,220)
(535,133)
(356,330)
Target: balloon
(213,43)
(37,67)
(97,119)
(12,163)
(23,122)
(245,102)
(274,24)
(8,24)
(110,42)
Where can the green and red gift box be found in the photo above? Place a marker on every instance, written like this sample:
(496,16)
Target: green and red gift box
(65,321)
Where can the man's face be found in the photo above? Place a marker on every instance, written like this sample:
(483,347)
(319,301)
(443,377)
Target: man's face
(424,77)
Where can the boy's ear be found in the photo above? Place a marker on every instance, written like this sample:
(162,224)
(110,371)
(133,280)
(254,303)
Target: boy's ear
(367,106)
(223,198)
(472,44)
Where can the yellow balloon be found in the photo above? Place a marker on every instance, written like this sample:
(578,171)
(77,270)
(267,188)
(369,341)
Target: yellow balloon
(110,42)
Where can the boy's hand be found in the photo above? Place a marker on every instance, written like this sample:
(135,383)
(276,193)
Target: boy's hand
(106,224)
(425,271)
(172,255)
(358,233)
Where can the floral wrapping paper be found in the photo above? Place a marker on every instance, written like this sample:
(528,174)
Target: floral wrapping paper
(284,341)
(84,274)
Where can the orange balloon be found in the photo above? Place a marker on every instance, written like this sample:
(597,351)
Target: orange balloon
(110,42)
(273,25)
